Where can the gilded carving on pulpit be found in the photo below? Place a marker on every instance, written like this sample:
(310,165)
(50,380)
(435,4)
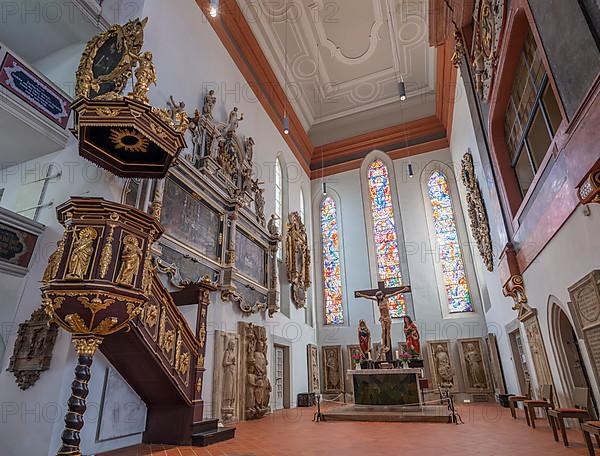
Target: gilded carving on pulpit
(488,28)
(33,348)
(332,369)
(130,260)
(313,368)
(297,259)
(441,364)
(81,253)
(480,227)
(475,371)
(54,262)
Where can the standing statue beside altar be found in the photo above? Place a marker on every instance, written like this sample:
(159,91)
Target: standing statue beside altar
(413,345)
(364,339)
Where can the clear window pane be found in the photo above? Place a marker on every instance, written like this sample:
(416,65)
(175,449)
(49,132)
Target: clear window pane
(538,139)
(552,108)
(524,172)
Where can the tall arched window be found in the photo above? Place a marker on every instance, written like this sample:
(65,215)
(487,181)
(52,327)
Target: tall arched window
(279,199)
(332,272)
(301,211)
(386,237)
(447,244)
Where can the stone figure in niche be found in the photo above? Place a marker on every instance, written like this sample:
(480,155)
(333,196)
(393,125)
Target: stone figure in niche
(273,226)
(83,249)
(130,260)
(209,103)
(234,120)
(333,375)
(364,339)
(475,367)
(249,147)
(229,377)
(259,201)
(413,345)
(443,366)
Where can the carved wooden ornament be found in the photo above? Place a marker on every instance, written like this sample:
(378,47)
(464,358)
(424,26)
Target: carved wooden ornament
(297,259)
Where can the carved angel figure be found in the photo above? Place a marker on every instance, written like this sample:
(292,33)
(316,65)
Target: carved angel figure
(145,75)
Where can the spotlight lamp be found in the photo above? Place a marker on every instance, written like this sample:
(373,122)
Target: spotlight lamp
(213,8)
(402,90)
(410,170)
(286,125)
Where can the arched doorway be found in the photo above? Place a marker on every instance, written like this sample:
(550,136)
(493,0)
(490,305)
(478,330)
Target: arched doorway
(568,351)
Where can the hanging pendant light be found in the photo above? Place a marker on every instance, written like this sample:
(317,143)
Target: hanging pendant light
(324,188)
(286,124)
(213,8)
(410,170)
(402,90)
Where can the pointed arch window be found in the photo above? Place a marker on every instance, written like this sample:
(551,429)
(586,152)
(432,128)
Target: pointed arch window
(448,245)
(386,237)
(332,273)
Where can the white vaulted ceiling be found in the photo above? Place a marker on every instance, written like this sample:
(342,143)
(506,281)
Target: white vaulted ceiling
(344,60)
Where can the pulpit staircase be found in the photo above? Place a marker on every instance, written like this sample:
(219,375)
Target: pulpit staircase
(163,361)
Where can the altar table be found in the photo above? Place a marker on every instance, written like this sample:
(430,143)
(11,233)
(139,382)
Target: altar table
(386,386)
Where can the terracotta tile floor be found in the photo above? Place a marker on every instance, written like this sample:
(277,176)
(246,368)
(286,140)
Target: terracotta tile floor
(488,431)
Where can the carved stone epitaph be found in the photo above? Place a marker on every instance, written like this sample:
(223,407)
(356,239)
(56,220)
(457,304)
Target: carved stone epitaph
(297,259)
(33,347)
(585,301)
(441,364)
(226,387)
(333,372)
(496,365)
(312,360)
(255,387)
(474,366)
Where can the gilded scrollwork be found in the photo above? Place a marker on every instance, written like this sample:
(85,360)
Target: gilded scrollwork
(480,226)
(489,20)
(297,259)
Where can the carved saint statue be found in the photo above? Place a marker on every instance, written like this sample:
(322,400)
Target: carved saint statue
(53,262)
(130,260)
(385,319)
(475,367)
(333,374)
(259,201)
(413,345)
(234,120)
(145,75)
(263,386)
(364,339)
(273,226)
(209,103)
(229,376)
(83,249)
(249,150)
(443,367)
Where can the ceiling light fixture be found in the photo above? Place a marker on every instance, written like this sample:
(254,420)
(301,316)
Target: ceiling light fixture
(213,8)
(286,124)
(402,90)
(410,170)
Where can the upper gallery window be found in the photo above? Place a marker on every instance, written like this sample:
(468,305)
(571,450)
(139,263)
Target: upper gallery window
(532,116)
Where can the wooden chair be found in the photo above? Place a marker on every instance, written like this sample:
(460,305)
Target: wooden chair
(513,401)
(546,403)
(591,428)
(580,412)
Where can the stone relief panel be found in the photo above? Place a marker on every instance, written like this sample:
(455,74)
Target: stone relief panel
(255,387)
(333,371)
(585,305)
(441,364)
(312,360)
(226,390)
(538,351)
(474,366)
(496,365)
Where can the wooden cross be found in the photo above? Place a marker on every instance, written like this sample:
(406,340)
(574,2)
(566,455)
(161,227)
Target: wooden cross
(387,291)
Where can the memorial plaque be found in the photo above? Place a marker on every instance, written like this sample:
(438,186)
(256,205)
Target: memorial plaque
(585,304)
(250,258)
(16,246)
(190,221)
(34,91)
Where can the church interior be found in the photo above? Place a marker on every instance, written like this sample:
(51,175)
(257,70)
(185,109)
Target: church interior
(299,227)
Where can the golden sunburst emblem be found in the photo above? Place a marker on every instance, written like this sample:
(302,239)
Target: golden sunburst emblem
(129,140)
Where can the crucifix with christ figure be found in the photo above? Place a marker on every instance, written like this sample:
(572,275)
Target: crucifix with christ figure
(381,295)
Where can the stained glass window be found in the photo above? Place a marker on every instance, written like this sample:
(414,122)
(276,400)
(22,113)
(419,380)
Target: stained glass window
(332,274)
(451,259)
(386,238)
